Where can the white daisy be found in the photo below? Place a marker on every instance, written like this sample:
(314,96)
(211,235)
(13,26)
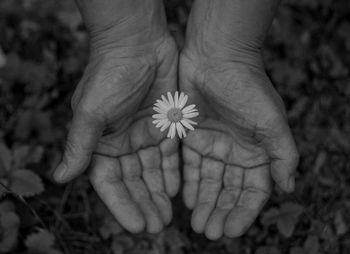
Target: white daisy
(172,114)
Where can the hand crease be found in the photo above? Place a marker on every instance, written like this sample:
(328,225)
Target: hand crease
(229,164)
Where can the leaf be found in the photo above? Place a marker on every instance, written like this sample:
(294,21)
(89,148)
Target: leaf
(122,242)
(270,217)
(267,250)
(289,216)
(42,124)
(5,159)
(37,121)
(339,223)
(20,154)
(291,209)
(24,154)
(23,126)
(110,227)
(26,183)
(174,239)
(3,190)
(3,59)
(9,224)
(285,225)
(297,250)
(285,217)
(6,206)
(117,248)
(41,242)
(311,245)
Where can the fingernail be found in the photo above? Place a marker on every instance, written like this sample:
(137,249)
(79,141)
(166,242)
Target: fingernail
(59,173)
(291,183)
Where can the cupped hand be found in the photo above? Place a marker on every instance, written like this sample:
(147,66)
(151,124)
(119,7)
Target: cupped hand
(241,141)
(134,167)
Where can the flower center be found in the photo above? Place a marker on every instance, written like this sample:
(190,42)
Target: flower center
(174,115)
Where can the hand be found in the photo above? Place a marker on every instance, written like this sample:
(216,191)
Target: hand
(134,166)
(242,139)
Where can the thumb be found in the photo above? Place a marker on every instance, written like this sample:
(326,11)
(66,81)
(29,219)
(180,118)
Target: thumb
(283,154)
(82,139)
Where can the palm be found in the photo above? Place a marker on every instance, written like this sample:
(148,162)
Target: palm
(138,169)
(227,168)
(134,168)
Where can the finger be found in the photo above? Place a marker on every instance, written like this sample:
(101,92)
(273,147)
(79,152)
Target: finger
(256,191)
(192,163)
(153,177)
(132,177)
(233,179)
(215,226)
(170,166)
(82,139)
(209,188)
(105,177)
(284,156)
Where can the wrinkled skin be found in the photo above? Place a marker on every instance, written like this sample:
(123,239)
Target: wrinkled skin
(242,139)
(133,166)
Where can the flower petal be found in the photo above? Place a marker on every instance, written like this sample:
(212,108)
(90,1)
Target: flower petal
(190,121)
(191,115)
(183,102)
(180,130)
(169,133)
(179,133)
(188,108)
(157,121)
(173,130)
(181,97)
(164,100)
(165,126)
(191,111)
(176,99)
(159,110)
(171,100)
(159,116)
(162,105)
(162,122)
(183,132)
(187,124)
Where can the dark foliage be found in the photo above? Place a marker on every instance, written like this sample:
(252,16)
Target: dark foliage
(43,51)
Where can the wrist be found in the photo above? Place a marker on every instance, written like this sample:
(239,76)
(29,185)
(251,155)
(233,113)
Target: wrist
(230,29)
(123,23)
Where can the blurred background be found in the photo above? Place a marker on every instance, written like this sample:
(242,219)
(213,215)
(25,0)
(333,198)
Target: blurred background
(43,51)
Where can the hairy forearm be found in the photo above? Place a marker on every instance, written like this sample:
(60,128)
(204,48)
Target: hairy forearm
(125,22)
(231,28)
